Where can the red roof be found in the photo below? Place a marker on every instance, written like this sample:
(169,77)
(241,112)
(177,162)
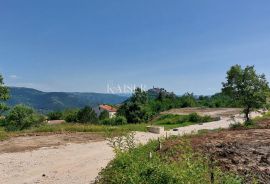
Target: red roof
(108,108)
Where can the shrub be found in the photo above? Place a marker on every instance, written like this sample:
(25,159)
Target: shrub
(104,115)
(70,115)
(57,115)
(194,117)
(87,115)
(236,126)
(208,119)
(22,117)
(163,166)
(249,123)
(118,120)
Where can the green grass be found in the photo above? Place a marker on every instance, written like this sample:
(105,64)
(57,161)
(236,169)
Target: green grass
(253,123)
(266,116)
(177,164)
(170,121)
(3,134)
(76,127)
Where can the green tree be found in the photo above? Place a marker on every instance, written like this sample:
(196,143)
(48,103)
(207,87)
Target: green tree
(246,87)
(4,95)
(57,115)
(104,115)
(135,109)
(70,115)
(22,117)
(87,115)
(139,96)
(188,100)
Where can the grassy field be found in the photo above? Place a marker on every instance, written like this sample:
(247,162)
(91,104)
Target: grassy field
(168,121)
(75,127)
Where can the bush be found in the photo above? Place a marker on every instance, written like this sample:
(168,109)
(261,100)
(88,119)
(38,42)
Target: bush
(70,115)
(22,117)
(87,115)
(194,117)
(236,126)
(57,115)
(118,120)
(104,115)
(249,123)
(164,166)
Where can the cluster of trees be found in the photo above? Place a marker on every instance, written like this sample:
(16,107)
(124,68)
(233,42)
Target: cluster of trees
(20,116)
(86,115)
(243,88)
(141,107)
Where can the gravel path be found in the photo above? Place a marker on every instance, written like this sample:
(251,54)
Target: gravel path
(75,163)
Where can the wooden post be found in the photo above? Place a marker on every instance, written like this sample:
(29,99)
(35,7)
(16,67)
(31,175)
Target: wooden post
(212,177)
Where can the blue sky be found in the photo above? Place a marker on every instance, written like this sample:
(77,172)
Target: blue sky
(83,45)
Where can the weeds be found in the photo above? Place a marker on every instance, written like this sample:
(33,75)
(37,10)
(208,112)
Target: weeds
(122,143)
(171,165)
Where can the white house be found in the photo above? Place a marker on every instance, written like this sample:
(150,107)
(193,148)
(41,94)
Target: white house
(112,111)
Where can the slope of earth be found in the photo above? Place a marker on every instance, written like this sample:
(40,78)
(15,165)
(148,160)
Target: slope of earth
(245,151)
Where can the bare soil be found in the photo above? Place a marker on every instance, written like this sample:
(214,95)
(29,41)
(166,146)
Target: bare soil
(35,141)
(246,152)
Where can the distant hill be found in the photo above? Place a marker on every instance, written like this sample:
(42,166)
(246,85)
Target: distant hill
(51,101)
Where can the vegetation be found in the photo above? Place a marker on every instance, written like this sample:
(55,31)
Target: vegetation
(170,121)
(104,115)
(135,109)
(3,134)
(246,87)
(78,127)
(150,165)
(57,115)
(4,95)
(87,115)
(144,106)
(70,115)
(22,117)
(118,120)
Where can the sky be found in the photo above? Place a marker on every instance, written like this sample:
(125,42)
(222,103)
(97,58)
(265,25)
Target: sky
(93,45)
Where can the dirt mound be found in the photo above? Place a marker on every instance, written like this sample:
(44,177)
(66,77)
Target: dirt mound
(246,152)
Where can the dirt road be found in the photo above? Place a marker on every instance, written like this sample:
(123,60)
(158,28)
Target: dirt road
(76,163)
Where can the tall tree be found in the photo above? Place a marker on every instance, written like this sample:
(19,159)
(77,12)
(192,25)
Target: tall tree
(246,87)
(4,95)
(87,115)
